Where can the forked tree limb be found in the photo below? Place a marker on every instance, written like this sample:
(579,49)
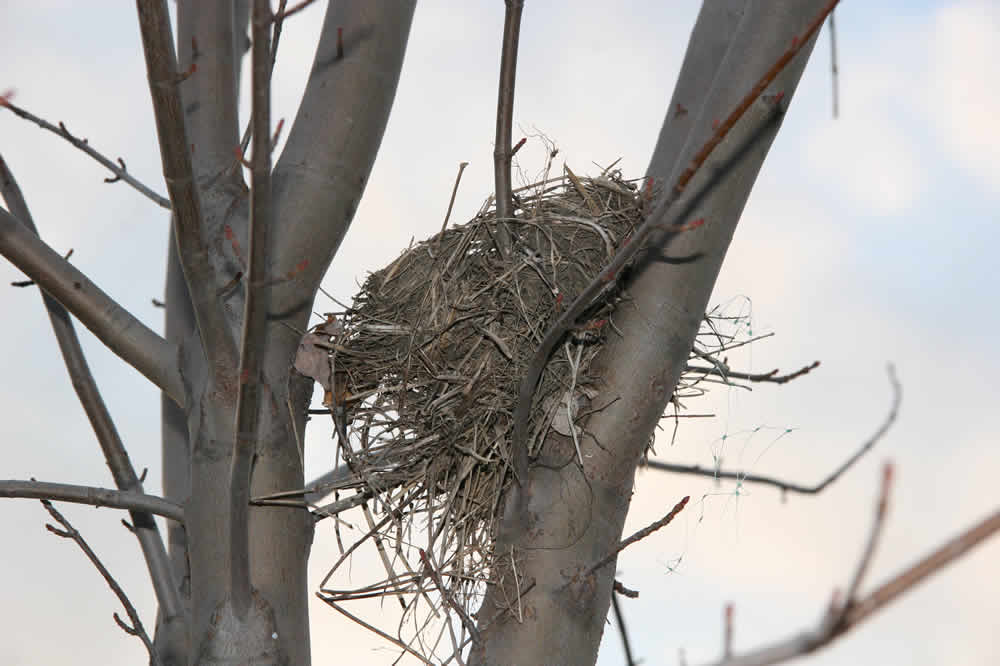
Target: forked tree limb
(135,629)
(117,458)
(790,486)
(116,499)
(130,339)
(843,616)
(175,153)
(252,383)
(503,149)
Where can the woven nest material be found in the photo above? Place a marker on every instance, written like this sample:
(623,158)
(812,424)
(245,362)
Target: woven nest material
(436,343)
(428,360)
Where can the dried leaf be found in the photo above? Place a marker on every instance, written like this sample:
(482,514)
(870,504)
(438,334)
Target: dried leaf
(314,361)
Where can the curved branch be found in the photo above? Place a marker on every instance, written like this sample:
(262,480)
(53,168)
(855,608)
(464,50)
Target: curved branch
(789,486)
(143,525)
(115,499)
(136,629)
(126,336)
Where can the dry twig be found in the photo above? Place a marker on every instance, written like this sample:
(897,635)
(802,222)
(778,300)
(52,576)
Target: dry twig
(135,629)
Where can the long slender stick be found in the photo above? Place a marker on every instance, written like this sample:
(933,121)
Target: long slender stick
(790,486)
(115,499)
(117,458)
(505,117)
(118,169)
(137,630)
(248,403)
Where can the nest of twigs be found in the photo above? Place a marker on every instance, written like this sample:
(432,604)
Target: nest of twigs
(427,362)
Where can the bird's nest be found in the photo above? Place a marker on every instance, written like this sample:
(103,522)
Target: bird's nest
(425,367)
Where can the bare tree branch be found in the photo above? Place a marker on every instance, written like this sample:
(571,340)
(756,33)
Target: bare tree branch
(144,527)
(136,629)
(638,536)
(175,153)
(257,305)
(116,499)
(331,146)
(126,336)
(722,370)
(842,617)
(623,632)
(789,486)
(207,42)
(502,152)
(118,169)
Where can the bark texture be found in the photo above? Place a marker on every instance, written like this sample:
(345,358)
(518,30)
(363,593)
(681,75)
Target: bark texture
(565,517)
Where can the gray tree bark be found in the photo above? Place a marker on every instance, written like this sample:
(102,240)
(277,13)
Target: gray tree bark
(564,518)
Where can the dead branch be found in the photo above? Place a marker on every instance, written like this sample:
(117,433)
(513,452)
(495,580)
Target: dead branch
(841,617)
(638,536)
(623,632)
(121,173)
(789,486)
(505,115)
(722,370)
(116,499)
(136,629)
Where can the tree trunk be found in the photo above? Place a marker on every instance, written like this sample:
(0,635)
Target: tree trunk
(563,518)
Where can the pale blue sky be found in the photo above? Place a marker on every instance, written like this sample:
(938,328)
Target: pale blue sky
(867,239)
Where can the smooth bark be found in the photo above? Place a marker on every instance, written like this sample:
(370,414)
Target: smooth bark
(565,517)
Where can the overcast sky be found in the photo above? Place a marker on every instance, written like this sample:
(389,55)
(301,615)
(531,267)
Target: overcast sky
(866,240)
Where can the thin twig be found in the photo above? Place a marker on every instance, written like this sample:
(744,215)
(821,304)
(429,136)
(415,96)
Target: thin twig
(638,536)
(505,115)
(116,499)
(137,630)
(722,370)
(623,632)
(118,169)
(833,67)
(789,486)
(449,598)
(451,202)
(395,641)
